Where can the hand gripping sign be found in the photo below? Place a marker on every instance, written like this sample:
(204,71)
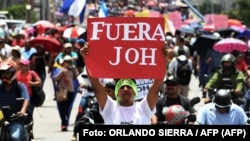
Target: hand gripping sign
(124,47)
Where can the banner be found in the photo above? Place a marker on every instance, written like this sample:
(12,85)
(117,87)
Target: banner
(219,132)
(126,47)
(215,20)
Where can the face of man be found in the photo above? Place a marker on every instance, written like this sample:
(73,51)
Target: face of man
(222,110)
(126,94)
(172,88)
(125,91)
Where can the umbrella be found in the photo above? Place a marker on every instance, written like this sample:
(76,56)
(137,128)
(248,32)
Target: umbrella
(244,33)
(45,24)
(236,22)
(227,45)
(151,3)
(50,44)
(73,32)
(205,42)
(187,29)
(189,21)
(225,32)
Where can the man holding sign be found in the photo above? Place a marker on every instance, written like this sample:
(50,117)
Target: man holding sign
(124,48)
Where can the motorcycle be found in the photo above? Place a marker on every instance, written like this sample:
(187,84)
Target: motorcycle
(8,118)
(248,115)
(92,115)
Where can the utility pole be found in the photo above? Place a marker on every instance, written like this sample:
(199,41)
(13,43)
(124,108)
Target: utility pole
(29,7)
(51,15)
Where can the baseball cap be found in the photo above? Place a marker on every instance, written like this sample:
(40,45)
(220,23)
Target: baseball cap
(24,62)
(67,58)
(80,41)
(172,78)
(67,45)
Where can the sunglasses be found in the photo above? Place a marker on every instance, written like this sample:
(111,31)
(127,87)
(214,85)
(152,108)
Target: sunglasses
(171,84)
(68,62)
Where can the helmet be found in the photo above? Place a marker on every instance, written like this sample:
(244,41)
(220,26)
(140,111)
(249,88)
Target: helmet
(222,98)
(175,115)
(228,57)
(10,67)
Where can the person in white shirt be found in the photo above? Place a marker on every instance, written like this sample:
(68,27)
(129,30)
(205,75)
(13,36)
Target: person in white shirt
(172,69)
(124,110)
(5,49)
(180,44)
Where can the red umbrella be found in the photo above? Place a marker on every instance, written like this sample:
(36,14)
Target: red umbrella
(50,44)
(227,45)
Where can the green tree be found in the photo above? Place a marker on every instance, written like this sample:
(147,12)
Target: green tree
(243,7)
(207,7)
(19,12)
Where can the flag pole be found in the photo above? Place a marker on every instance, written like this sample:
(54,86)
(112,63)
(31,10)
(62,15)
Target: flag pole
(97,10)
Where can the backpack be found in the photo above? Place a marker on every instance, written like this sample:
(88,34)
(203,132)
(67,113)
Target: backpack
(184,71)
(37,93)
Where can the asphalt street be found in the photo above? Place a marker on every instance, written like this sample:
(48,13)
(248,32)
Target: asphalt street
(47,121)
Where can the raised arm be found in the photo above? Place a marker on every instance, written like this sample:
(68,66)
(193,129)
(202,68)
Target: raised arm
(98,87)
(156,86)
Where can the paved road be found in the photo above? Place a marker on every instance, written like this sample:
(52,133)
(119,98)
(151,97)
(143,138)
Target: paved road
(47,120)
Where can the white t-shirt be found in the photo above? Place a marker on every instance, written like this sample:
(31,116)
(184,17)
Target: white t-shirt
(138,114)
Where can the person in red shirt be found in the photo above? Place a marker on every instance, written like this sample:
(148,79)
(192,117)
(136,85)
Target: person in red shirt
(241,62)
(18,40)
(29,78)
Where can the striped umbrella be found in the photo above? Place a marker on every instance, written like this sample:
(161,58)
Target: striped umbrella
(73,32)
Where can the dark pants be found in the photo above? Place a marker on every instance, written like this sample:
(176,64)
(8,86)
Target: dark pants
(65,108)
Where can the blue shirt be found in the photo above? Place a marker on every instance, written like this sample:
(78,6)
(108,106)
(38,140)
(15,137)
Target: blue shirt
(27,53)
(8,98)
(208,115)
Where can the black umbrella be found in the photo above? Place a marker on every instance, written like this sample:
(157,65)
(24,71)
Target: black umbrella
(225,32)
(204,42)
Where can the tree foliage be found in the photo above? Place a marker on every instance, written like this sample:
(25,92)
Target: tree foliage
(19,12)
(243,11)
(207,7)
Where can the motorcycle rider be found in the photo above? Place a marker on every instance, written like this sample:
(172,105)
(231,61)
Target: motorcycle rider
(227,77)
(172,96)
(222,111)
(10,89)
